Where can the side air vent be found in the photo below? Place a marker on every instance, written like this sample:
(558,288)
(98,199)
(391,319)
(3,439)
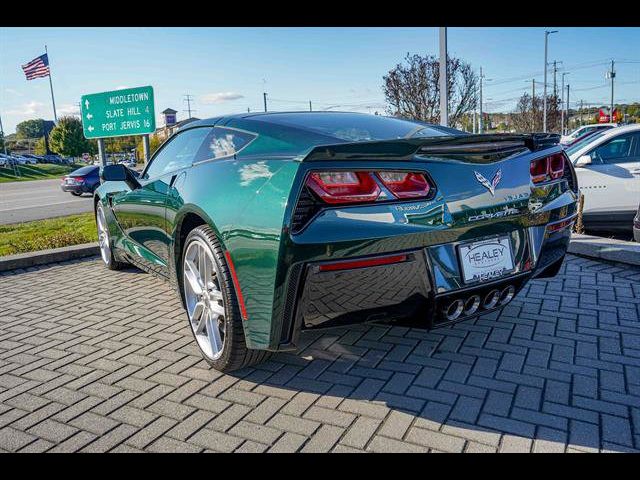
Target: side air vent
(306,208)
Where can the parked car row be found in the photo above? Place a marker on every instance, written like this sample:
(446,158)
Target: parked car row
(607,164)
(7,160)
(31,159)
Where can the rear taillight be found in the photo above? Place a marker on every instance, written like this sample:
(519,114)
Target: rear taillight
(406,184)
(339,187)
(344,187)
(547,168)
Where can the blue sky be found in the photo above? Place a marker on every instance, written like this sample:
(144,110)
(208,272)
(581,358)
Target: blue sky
(226,69)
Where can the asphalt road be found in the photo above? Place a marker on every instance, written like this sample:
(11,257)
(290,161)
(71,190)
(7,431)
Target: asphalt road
(38,199)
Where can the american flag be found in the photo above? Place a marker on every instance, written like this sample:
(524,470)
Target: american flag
(37,68)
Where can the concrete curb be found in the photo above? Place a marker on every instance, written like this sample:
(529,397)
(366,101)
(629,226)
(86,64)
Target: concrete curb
(42,257)
(605,249)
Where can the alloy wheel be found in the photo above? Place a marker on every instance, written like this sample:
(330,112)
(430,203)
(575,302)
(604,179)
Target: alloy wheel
(203,297)
(103,236)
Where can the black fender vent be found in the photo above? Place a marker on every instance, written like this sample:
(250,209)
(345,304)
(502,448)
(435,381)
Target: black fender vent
(306,208)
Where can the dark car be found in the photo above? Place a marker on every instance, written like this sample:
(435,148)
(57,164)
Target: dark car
(636,226)
(268,224)
(83,180)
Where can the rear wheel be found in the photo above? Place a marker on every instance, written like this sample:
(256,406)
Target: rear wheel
(76,194)
(104,242)
(211,304)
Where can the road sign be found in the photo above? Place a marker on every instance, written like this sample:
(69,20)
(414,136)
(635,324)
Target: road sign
(118,113)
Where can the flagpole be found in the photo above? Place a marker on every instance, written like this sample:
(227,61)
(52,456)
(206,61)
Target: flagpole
(53,100)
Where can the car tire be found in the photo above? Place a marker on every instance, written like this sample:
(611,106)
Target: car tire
(104,241)
(229,352)
(76,194)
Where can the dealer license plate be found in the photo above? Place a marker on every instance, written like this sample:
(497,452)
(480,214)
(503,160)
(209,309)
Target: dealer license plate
(486,260)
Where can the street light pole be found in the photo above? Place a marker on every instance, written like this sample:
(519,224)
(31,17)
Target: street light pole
(444,94)
(544,100)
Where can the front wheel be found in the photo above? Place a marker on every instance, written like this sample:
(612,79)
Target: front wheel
(76,194)
(211,304)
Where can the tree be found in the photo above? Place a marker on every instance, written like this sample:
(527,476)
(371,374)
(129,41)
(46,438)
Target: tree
(67,138)
(154,144)
(412,89)
(33,128)
(40,147)
(528,114)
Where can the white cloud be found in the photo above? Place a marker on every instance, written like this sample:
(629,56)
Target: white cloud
(31,108)
(220,97)
(68,109)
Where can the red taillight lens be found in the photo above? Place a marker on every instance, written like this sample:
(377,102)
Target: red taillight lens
(406,184)
(547,168)
(556,166)
(344,186)
(538,170)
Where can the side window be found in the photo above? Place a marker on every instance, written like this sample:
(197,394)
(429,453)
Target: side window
(223,142)
(180,152)
(616,150)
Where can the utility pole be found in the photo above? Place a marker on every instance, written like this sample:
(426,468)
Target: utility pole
(264,98)
(481,123)
(555,84)
(444,77)
(612,76)
(310,107)
(544,99)
(567,106)
(562,104)
(188,98)
(580,118)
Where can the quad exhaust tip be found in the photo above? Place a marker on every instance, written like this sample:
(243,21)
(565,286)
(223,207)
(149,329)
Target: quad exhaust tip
(467,307)
(454,310)
(491,299)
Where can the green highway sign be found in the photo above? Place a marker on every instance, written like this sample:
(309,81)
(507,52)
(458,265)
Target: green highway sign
(119,113)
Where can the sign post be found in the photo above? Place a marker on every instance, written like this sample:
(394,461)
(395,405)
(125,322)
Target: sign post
(145,146)
(119,113)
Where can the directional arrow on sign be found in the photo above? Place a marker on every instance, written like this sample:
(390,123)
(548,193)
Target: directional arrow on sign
(89,116)
(90,128)
(86,104)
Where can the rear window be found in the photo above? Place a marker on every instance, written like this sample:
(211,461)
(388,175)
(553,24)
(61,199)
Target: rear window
(354,127)
(85,171)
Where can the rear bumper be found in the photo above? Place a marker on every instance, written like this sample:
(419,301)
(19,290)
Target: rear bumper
(422,286)
(83,188)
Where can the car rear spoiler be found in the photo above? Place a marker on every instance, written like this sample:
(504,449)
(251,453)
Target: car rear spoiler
(485,147)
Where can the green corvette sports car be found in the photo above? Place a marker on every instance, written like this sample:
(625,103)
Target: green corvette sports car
(268,224)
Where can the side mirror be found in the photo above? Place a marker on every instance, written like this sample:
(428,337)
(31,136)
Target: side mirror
(583,161)
(119,173)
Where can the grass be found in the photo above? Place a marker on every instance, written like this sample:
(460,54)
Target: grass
(49,233)
(35,172)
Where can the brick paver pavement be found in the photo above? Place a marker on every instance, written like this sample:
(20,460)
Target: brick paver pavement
(93,360)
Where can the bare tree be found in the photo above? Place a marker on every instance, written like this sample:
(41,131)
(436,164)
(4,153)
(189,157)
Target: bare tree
(412,89)
(527,116)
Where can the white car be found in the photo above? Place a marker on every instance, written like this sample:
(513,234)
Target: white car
(608,169)
(578,132)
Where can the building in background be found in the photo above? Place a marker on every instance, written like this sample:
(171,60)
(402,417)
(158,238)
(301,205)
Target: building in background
(171,124)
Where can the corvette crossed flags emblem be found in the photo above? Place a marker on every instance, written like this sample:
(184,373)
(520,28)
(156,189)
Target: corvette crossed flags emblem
(491,186)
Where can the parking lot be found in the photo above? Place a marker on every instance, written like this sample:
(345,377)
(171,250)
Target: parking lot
(93,360)
(38,199)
